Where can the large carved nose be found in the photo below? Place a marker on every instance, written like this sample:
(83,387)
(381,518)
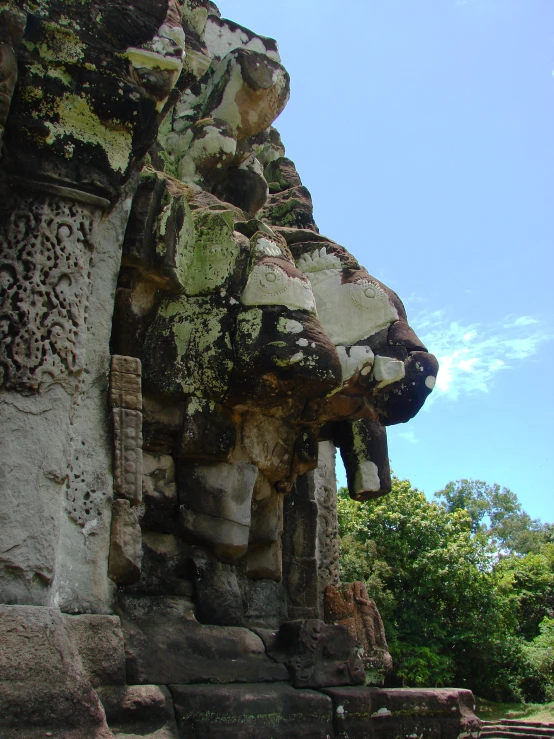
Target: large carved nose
(282,356)
(400,399)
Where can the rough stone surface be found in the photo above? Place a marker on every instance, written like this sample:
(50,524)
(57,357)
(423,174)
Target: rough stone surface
(139,710)
(125,544)
(327,544)
(300,573)
(393,713)
(318,655)
(350,606)
(265,603)
(99,642)
(159,492)
(180,352)
(252,712)
(43,687)
(165,644)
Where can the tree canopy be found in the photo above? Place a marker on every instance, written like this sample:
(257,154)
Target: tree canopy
(465,586)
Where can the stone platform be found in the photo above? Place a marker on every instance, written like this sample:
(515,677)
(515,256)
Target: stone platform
(67,677)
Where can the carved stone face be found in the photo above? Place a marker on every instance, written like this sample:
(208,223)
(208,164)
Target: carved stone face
(244,337)
(243,350)
(350,304)
(274,281)
(264,355)
(383,362)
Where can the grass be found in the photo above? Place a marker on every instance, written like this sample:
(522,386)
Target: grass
(489,711)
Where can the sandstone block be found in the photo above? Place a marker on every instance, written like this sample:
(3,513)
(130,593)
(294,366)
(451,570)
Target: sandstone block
(125,383)
(43,687)
(141,710)
(293,207)
(125,544)
(265,603)
(228,539)
(268,442)
(164,644)
(252,712)
(159,493)
(318,655)
(218,598)
(265,562)
(99,641)
(163,566)
(441,713)
(208,432)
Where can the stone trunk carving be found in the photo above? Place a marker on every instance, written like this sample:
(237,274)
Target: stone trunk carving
(126,403)
(350,606)
(181,352)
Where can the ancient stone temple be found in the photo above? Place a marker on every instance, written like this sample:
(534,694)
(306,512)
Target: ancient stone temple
(181,354)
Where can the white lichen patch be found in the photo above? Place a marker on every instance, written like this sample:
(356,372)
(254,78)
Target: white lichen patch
(220,39)
(354,359)
(268,284)
(350,312)
(366,478)
(288,361)
(228,110)
(430,382)
(213,145)
(387,370)
(77,120)
(382,712)
(289,326)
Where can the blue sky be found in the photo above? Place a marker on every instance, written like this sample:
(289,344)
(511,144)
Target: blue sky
(424,130)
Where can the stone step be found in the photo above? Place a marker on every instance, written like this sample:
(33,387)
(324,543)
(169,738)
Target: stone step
(523,722)
(519,722)
(533,727)
(508,732)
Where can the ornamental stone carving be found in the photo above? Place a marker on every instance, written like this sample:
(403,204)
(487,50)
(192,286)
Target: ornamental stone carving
(181,353)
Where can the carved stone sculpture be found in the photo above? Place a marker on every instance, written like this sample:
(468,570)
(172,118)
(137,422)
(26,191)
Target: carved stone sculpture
(181,353)
(350,606)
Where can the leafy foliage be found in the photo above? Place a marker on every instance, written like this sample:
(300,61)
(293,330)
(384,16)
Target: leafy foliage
(509,527)
(464,585)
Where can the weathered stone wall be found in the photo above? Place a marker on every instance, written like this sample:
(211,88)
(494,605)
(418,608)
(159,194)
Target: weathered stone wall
(181,352)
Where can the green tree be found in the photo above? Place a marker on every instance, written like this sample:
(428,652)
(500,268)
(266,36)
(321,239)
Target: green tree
(538,681)
(433,580)
(496,512)
(527,586)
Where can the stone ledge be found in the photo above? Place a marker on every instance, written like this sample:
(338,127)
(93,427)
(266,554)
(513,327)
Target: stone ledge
(251,712)
(391,713)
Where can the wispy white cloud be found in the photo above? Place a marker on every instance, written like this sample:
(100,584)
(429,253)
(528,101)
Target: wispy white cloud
(408,436)
(471,355)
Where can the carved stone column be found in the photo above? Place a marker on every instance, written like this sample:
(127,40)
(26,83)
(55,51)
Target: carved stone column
(91,82)
(58,269)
